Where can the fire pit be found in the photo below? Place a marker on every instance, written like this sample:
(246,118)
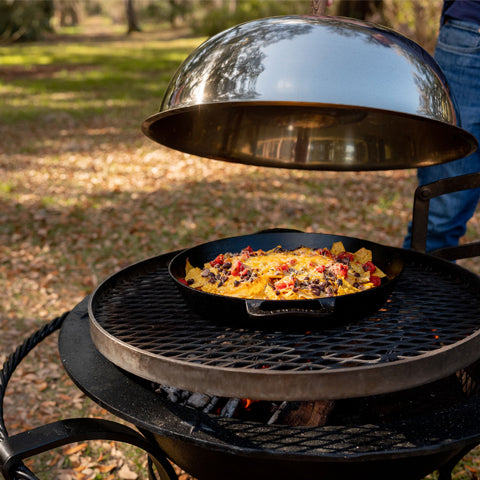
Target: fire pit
(392,391)
(407,434)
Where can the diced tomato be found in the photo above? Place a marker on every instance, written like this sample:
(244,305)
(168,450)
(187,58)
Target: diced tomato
(345,255)
(377,281)
(218,261)
(237,267)
(182,280)
(339,269)
(369,267)
(320,269)
(285,283)
(283,267)
(292,261)
(325,252)
(247,251)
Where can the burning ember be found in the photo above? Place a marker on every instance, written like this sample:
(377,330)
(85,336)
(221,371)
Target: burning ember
(267,412)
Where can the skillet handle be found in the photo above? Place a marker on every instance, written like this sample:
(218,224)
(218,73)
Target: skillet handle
(317,308)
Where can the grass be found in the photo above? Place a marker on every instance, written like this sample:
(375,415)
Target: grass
(83,194)
(87,80)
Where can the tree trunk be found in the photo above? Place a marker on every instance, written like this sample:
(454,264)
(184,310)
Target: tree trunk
(318,7)
(132,22)
(69,16)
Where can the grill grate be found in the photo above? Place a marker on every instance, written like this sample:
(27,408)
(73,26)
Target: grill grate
(417,319)
(435,305)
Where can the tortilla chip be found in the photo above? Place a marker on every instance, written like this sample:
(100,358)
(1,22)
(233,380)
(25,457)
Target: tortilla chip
(346,288)
(337,248)
(363,255)
(379,273)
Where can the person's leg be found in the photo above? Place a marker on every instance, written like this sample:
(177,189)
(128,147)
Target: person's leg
(458,54)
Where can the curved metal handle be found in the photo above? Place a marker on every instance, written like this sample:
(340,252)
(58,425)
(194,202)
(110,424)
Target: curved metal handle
(38,440)
(421,206)
(16,448)
(317,308)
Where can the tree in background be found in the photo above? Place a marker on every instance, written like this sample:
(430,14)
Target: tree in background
(30,19)
(24,20)
(178,10)
(69,12)
(365,10)
(132,21)
(318,7)
(417,19)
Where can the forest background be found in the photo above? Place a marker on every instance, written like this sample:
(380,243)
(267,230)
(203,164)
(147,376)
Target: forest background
(83,193)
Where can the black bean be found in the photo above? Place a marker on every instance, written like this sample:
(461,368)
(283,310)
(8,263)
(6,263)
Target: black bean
(315,290)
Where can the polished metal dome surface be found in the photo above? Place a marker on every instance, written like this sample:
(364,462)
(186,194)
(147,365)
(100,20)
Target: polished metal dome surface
(311,92)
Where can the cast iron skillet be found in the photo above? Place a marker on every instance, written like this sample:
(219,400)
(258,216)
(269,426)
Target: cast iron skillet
(345,307)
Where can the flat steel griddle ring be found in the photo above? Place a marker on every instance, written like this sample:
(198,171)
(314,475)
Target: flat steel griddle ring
(427,330)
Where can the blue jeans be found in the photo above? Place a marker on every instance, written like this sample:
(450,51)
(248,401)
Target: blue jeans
(458,54)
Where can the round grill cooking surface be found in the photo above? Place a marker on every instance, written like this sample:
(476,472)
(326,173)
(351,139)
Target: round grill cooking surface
(427,329)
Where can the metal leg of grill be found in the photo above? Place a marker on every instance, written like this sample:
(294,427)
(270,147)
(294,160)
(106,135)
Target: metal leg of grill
(161,472)
(163,469)
(445,472)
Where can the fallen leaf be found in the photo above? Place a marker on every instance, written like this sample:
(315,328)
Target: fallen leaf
(75,448)
(126,474)
(106,468)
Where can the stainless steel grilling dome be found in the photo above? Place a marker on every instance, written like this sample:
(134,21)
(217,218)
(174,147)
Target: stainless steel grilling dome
(310,92)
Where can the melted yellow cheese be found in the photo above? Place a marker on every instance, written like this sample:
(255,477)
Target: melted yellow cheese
(279,274)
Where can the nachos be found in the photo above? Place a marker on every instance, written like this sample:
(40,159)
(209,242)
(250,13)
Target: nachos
(281,274)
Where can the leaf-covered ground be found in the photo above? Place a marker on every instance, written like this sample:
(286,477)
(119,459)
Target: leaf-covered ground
(84,194)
